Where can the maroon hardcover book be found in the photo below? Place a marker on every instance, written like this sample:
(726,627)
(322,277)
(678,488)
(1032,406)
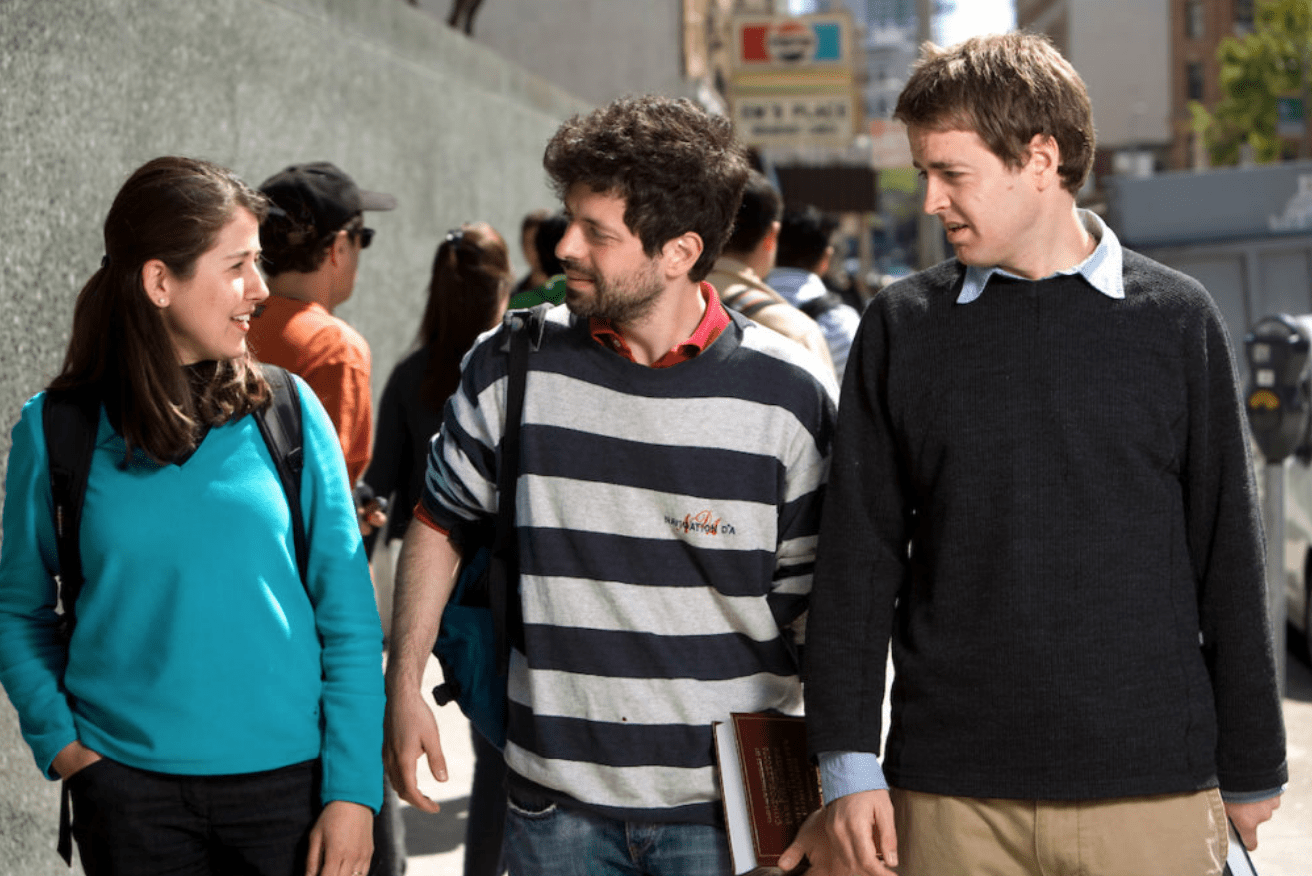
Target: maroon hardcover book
(781,785)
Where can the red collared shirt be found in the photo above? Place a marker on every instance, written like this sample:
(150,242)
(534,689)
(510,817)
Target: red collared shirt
(714,321)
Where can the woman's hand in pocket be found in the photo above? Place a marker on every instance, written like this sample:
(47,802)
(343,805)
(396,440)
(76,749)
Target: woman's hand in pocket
(73,758)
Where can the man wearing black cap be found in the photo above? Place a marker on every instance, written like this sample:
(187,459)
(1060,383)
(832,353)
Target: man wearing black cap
(312,240)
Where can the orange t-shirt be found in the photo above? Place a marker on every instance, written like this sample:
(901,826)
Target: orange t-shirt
(332,357)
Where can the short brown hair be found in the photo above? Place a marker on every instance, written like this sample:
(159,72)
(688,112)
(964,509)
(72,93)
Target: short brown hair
(1006,88)
(677,167)
(761,207)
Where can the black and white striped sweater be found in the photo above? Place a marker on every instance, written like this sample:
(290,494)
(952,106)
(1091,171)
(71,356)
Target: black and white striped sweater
(667,522)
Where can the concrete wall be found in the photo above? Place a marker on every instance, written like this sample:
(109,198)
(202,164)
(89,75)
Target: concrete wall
(598,49)
(91,89)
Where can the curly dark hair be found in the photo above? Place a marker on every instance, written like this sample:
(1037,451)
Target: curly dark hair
(677,167)
(1006,88)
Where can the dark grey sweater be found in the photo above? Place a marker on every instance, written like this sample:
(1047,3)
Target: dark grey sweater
(1045,498)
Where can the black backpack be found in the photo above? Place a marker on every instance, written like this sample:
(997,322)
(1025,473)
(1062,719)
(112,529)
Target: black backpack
(821,305)
(70,419)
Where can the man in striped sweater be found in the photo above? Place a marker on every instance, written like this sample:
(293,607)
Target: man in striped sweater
(673,459)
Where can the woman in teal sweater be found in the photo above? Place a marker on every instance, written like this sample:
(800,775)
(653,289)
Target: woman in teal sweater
(211,712)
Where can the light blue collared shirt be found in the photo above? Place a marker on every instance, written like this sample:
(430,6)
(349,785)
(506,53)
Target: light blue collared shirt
(1102,268)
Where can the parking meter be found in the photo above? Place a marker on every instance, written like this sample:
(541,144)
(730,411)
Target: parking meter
(1277,400)
(1278,412)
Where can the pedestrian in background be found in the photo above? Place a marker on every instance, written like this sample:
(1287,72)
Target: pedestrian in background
(211,712)
(552,288)
(467,296)
(802,261)
(528,232)
(313,237)
(749,255)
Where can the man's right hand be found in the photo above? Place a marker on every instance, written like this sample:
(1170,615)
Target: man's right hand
(410,732)
(861,833)
(72,759)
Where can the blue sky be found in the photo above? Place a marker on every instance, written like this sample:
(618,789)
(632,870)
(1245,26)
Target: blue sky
(968,18)
(973,17)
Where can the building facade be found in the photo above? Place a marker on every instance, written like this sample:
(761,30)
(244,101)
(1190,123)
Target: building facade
(1129,87)
(1197,29)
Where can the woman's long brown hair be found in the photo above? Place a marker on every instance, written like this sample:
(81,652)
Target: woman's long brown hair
(471,278)
(171,209)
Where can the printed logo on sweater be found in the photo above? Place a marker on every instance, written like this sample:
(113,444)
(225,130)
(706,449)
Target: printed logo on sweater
(703,522)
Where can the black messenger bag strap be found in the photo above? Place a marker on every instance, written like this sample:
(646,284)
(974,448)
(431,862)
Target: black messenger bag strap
(280,425)
(526,328)
(69,420)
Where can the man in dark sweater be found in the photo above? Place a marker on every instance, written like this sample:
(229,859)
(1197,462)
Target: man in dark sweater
(1041,493)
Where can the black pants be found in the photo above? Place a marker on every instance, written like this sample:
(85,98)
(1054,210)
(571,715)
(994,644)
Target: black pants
(487,810)
(130,822)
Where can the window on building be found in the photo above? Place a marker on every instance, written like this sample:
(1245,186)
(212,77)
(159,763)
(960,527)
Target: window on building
(1195,19)
(1193,77)
(1243,15)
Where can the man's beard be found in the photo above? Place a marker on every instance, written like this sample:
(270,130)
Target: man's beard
(625,300)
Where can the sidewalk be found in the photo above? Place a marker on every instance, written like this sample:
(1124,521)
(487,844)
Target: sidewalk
(436,842)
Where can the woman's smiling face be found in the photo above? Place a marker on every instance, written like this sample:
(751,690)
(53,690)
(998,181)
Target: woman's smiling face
(208,314)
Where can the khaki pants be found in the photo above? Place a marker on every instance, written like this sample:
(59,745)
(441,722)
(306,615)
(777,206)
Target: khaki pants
(1169,835)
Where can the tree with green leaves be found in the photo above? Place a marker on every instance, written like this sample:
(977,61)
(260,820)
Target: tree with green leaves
(1272,62)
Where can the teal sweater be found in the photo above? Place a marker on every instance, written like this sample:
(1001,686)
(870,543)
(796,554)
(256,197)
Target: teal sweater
(196,651)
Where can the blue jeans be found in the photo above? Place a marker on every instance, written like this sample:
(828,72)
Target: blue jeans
(543,837)
(130,822)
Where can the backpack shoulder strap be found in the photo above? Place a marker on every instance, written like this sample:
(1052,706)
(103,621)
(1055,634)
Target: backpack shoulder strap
(280,424)
(525,329)
(69,420)
(749,301)
(820,305)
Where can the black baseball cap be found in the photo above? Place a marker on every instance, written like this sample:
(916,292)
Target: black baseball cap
(322,195)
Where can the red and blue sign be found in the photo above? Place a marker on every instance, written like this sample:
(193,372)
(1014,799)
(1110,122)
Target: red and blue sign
(791,42)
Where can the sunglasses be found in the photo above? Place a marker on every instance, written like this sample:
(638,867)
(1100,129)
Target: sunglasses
(365,235)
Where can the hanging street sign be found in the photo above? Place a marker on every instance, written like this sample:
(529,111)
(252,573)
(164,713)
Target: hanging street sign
(792,80)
